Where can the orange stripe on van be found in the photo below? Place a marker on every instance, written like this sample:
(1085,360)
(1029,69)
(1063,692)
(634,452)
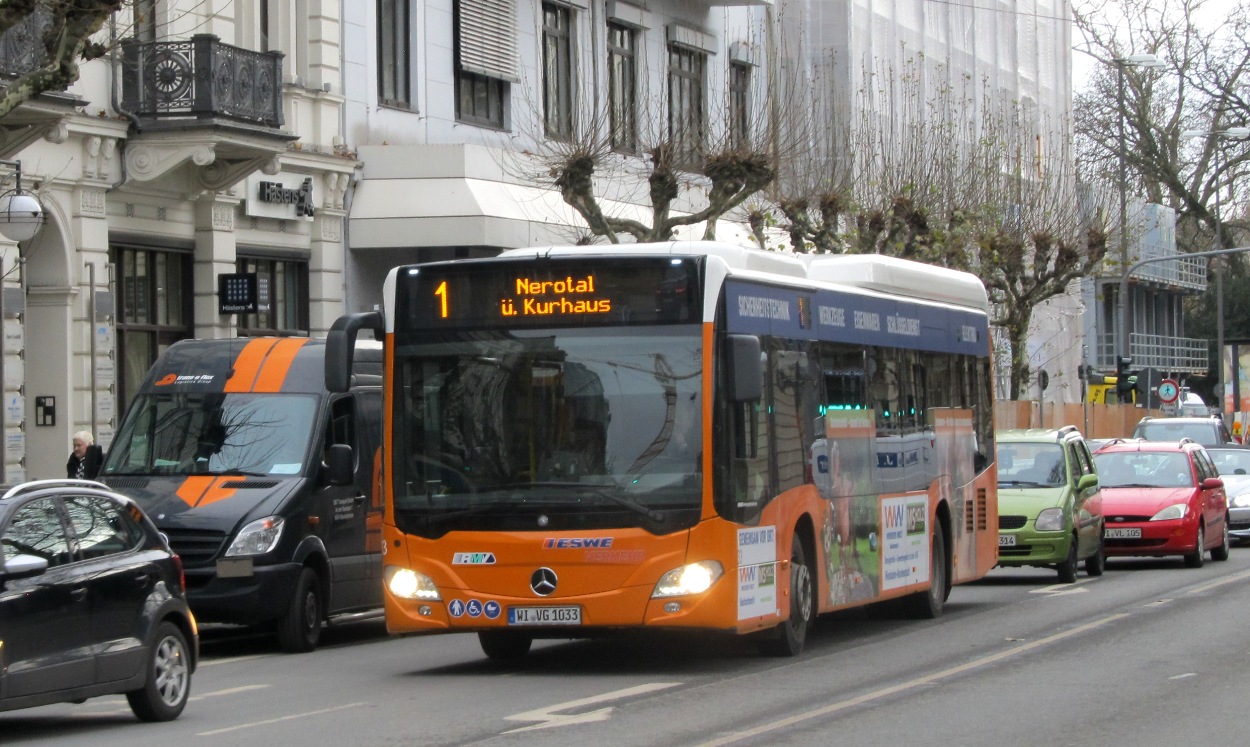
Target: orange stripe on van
(278,365)
(247,365)
(203,490)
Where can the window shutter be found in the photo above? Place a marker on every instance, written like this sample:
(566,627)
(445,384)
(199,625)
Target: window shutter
(488,38)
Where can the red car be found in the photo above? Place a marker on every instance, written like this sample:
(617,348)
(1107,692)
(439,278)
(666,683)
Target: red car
(1162,498)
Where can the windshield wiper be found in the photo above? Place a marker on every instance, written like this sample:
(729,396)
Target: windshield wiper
(596,491)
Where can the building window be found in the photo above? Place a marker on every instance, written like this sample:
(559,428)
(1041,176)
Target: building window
(686,92)
(557,72)
(739,105)
(623,87)
(154,298)
(394,53)
(283,291)
(485,60)
(145,20)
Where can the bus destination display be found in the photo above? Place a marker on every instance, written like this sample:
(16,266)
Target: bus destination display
(558,292)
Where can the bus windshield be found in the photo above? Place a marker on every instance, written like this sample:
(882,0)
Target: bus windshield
(214,433)
(554,428)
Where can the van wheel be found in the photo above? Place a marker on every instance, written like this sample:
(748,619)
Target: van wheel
(928,604)
(299,630)
(788,638)
(503,646)
(168,682)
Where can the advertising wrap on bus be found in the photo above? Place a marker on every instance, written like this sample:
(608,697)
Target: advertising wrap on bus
(680,435)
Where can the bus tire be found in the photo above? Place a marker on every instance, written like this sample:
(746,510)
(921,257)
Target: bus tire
(299,629)
(928,604)
(788,638)
(504,645)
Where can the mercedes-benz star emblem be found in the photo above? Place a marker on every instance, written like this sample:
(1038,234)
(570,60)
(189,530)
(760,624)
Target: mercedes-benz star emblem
(543,582)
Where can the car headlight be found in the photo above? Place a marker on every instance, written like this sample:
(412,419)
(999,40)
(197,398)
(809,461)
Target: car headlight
(1176,511)
(694,578)
(257,538)
(406,583)
(1242,500)
(1050,520)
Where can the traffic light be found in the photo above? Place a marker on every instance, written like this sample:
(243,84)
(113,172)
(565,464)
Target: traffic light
(1125,380)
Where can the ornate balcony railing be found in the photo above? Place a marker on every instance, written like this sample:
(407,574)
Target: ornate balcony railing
(21,47)
(202,78)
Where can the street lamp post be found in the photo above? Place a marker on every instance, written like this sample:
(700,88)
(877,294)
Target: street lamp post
(1230,133)
(1133,60)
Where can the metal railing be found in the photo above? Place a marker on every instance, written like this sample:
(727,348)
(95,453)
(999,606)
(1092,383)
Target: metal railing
(21,47)
(1166,353)
(202,78)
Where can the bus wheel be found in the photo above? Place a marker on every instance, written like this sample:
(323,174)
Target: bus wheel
(504,645)
(299,630)
(788,638)
(928,604)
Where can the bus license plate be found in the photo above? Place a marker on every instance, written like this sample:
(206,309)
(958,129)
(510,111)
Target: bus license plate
(544,615)
(1006,540)
(1123,533)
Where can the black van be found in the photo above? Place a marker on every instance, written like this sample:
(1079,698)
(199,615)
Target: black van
(265,483)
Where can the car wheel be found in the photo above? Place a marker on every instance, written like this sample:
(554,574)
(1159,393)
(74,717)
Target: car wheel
(788,638)
(504,645)
(1221,552)
(299,629)
(1194,559)
(168,683)
(928,605)
(1067,569)
(1097,563)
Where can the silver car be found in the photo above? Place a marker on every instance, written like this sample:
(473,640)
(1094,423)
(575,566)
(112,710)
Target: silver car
(1233,462)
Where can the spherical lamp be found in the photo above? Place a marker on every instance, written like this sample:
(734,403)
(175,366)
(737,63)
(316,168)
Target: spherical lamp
(21,215)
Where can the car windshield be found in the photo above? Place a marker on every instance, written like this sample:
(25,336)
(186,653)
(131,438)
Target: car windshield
(214,433)
(1231,461)
(1163,430)
(1030,465)
(1138,469)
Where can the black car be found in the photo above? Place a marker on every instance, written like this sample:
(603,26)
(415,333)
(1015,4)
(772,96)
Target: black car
(92,602)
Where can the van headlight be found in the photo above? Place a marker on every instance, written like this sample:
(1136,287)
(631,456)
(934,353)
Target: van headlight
(257,538)
(694,578)
(406,583)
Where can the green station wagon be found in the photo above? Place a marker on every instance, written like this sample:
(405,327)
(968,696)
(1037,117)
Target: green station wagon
(1049,506)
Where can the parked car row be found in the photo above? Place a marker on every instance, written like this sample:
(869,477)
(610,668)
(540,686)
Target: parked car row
(1064,500)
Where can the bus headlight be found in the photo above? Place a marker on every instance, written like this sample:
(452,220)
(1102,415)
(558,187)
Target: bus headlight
(257,538)
(695,578)
(406,583)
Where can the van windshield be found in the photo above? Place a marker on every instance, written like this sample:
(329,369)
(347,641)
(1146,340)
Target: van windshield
(214,433)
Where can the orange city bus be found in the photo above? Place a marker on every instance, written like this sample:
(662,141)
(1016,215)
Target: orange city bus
(687,435)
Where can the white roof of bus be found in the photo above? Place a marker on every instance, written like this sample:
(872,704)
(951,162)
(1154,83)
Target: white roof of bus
(873,272)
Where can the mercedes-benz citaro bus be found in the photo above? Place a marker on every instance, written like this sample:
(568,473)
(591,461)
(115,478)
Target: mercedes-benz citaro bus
(264,482)
(686,435)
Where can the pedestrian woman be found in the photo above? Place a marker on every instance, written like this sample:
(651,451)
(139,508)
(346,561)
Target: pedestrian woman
(85,459)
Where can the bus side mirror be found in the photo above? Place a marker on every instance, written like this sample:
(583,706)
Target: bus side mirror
(742,367)
(341,347)
(339,468)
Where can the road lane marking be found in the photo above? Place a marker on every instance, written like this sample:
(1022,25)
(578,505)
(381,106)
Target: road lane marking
(1058,590)
(266,722)
(910,684)
(228,691)
(547,716)
(232,660)
(1220,582)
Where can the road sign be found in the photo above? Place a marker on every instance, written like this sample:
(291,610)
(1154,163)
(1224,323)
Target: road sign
(1168,391)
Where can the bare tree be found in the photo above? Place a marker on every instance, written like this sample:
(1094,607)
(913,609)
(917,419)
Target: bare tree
(67,28)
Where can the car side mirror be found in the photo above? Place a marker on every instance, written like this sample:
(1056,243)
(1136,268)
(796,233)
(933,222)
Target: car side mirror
(24,566)
(1086,482)
(339,467)
(1211,483)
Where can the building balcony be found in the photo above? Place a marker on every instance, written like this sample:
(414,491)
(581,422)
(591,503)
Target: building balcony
(186,83)
(1162,352)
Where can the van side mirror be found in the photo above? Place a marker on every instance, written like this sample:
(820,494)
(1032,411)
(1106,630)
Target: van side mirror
(339,467)
(743,378)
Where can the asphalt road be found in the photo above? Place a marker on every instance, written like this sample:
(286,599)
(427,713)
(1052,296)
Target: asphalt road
(1151,653)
